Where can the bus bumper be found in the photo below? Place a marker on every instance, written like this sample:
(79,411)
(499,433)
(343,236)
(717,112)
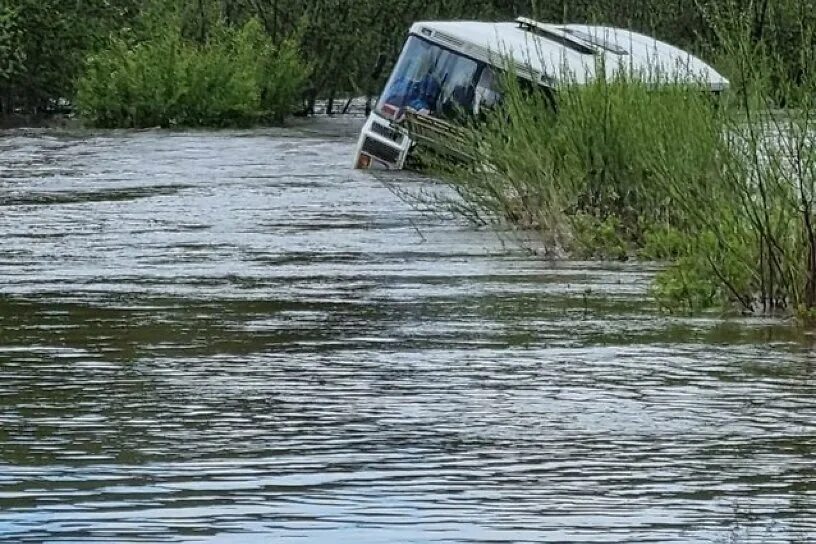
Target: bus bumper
(381,145)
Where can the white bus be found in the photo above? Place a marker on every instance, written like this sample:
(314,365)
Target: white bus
(448,67)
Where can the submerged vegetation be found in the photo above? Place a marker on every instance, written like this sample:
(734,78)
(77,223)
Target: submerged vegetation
(721,187)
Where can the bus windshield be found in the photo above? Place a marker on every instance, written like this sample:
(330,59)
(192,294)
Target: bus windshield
(431,80)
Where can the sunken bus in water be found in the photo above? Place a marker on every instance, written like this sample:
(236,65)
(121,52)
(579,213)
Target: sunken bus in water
(447,68)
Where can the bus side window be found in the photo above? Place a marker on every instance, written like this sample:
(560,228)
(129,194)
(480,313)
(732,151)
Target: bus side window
(487,94)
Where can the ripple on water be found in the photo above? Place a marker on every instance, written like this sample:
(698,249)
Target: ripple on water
(233,337)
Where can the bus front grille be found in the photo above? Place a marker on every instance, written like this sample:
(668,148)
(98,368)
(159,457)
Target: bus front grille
(380,150)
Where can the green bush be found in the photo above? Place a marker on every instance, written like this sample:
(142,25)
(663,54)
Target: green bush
(237,76)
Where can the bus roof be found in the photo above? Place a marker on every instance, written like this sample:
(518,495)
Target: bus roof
(571,52)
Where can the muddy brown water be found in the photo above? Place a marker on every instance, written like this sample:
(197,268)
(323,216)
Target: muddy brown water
(233,337)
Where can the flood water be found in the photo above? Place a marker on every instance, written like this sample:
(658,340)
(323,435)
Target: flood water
(233,337)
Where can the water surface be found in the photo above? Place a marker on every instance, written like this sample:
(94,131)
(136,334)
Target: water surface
(233,337)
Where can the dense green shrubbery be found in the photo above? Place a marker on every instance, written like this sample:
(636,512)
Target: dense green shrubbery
(235,76)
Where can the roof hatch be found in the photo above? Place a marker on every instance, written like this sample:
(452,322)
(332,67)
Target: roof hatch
(556,34)
(596,40)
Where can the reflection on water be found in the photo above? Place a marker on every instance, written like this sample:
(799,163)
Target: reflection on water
(233,337)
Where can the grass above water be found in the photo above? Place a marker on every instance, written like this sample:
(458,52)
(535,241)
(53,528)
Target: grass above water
(722,188)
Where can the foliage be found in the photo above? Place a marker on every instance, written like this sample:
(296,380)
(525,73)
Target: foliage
(43,44)
(686,287)
(12,56)
(594,238)
(235,77)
